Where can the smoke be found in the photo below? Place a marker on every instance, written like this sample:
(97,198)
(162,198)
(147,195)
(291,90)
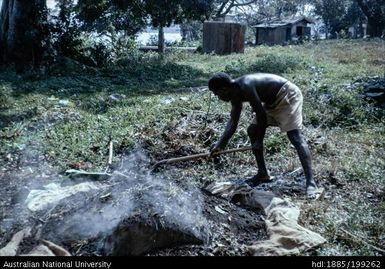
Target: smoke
(134,190)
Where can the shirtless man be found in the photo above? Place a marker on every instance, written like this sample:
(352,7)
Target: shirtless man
(275,102)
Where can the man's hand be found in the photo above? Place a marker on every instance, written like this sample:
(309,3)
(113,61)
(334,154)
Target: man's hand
(215,149)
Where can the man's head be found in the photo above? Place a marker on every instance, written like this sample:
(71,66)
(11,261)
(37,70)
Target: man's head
(221,85)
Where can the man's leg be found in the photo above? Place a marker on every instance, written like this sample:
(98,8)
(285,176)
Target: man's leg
(302,148)
(256,135)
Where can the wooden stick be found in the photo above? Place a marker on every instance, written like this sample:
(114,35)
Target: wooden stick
(197,156)
(93,175)
(121,174)
(294,171)
(57,250)
(358,238)
(110,153)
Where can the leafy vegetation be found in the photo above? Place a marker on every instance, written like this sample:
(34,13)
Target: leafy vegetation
(159,102)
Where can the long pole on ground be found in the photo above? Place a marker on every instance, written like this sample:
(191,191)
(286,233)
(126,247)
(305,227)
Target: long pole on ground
(197,156)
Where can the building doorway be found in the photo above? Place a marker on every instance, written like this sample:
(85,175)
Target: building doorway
(299,31)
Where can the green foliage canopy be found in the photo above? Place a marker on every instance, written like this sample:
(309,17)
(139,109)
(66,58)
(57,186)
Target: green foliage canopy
(100,15)
(165,12)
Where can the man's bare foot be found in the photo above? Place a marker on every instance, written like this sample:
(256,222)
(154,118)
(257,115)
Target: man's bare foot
(259,179)
(314,193)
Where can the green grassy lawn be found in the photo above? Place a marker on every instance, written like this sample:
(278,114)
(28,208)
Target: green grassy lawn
(68,119)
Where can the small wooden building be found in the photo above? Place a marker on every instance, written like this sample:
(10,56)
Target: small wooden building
(223,37)
(283,31)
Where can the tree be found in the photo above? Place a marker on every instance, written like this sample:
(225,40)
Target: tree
(287,8)
(262,9)
(132,15)
(165,12)
(104,15)
(191,30)
(374,11)
(115,21)
(355,18)
(65,31)
(333,14)
(224,7)
(23,33)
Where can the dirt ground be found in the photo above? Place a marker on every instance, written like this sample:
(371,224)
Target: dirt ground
(231,227)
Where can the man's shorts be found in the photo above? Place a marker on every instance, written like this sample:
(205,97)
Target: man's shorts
(286,111)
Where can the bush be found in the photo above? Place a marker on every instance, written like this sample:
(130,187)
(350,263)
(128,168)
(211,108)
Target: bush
(237,67)
(99,55)
(270,63)
(276,63)
(4,98)
(151,68)
(341,106)
(153,41)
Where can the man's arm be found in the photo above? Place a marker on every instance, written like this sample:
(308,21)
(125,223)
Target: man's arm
(231,126)
(257,107)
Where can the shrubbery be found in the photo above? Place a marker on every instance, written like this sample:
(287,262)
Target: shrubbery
(343,107)
(270,63)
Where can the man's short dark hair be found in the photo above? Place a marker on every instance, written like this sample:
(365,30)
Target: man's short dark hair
(219,80)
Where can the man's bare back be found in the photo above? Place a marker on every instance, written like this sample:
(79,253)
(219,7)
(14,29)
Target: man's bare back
(266,85)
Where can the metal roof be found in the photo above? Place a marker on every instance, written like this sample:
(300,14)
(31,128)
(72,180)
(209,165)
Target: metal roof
(279,23)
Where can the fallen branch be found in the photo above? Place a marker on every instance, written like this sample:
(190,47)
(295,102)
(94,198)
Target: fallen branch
(121,174)
(93,175)
(358,238)
(197,156)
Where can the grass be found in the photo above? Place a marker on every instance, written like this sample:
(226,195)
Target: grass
(69,118)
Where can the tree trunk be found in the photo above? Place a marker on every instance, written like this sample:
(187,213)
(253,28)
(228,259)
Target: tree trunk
(161,41)
(360,28)
(22,32)
(4,25)
(375,27)
(375,16)
(327,29)
(184,31)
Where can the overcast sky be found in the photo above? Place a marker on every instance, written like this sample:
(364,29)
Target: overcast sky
(50,3)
